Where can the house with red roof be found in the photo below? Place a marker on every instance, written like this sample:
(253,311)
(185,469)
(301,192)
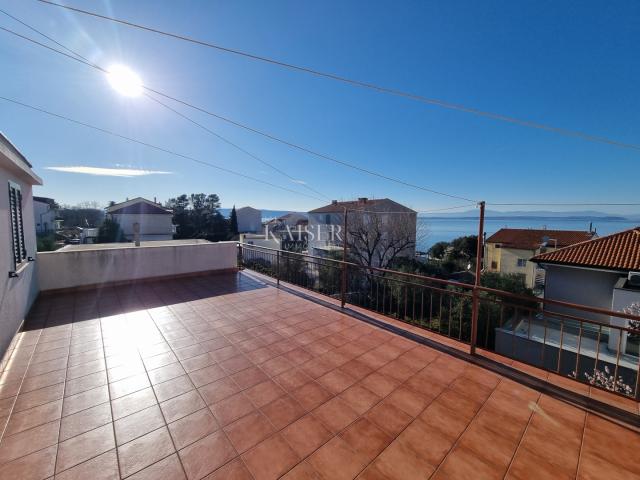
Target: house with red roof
(509,250)
(603,272)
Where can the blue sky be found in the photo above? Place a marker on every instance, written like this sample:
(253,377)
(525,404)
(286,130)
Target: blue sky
(568,64)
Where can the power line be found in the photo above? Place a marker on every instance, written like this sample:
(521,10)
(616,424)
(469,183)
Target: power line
(220,137)
(150,145)
(358,83)
(254,130)
(578,204)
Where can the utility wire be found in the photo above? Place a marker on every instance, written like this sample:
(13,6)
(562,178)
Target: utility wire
(552,204)
(254,130)
(358,83)
(150,145)
(220,137)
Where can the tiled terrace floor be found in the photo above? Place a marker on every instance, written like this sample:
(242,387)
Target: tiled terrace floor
(224,378)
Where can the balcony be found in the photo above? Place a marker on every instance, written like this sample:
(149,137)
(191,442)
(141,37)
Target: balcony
(230,375)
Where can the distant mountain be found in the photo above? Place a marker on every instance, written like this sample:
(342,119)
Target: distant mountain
(517,214)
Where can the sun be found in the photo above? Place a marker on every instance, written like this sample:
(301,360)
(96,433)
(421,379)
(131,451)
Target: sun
(125,81)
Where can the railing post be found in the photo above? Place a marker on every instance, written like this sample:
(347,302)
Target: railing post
(343,286)
(475,313)
(278,267)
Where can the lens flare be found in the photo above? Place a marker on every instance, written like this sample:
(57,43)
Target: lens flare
(125,81)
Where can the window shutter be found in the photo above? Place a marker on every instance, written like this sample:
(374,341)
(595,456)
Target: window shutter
(17,227)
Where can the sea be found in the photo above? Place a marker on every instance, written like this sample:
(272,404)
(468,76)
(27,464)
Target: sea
(437,229)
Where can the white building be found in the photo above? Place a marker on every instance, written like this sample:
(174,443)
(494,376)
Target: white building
(44,212)
(154,221)
(249,220)
(18,283)
(395,224)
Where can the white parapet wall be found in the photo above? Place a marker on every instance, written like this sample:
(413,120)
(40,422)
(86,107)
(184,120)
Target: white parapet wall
(91,265)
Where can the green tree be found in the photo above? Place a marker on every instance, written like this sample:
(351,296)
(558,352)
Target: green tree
(197,216)
(438,250)
(110,232)
(233,222)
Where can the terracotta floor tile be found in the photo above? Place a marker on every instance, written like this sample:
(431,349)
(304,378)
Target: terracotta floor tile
(372,473)
(102,467)
(206,455)
(356,369)
(132,403)
(302,471)
(218,390)
(306,435)
(336,461)
(173,388)
(463,463)
(231,408)
(292,379)
(193,427)
(207,375)
(366,438)
(277,365)
(335,414)
(85,446)
(264,393)
(38,465)
(196,363)
(168,468)
(408,401)
(336,381)
(236,364)
(28,441)
(166,373)
(359,398)
(429,443)
(283,411)
(388,418)
(476,438)
(249,377)
(144,451)
(234,470)
(398,462)
(181,406)
(248,431)
(138,424)
(41,381)
(311,395)
(379,384)
(592,467)
(463,406)
(270,459)
(33,417)
(35,398)
(128,385)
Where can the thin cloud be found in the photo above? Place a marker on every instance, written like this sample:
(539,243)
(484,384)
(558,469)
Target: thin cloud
(109,172)
(299,182)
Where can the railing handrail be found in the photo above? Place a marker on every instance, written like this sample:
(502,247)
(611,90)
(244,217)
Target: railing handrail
(493,291)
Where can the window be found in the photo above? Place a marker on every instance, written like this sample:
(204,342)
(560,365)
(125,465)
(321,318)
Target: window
(494,265)
(327,219)
(17,227)
(522,262)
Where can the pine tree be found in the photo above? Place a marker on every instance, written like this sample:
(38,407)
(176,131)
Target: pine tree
(233,221)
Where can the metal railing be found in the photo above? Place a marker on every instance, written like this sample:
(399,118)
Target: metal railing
(590,345)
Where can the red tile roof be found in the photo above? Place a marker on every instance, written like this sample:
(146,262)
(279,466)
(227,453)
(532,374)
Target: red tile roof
(620,251)
(529,239)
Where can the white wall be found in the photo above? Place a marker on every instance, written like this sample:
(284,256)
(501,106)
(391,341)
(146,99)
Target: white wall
(16,294)
(582,286)
(152,226)
(45,217)
(76,268)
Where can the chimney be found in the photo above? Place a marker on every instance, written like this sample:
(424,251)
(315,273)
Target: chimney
(334,202)
(155,200)
(362,200)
